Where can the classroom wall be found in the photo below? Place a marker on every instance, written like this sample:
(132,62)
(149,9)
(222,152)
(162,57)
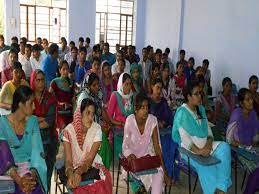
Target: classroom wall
(225,32)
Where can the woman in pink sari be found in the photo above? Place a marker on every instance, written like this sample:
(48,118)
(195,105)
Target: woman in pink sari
(82,139)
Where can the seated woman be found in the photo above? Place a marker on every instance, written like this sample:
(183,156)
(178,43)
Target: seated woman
(22,155)
(165,80)
(45,109)
(191,131)
(253,87)
(120,106)
(141,138)
(242,130)
(82,139)
(108,85)
(159,106)
(155,73)
(63,88)
(95,67)
(136,78)
(91,90)
(225,104)
(176,85)
(204,97)
(6,94)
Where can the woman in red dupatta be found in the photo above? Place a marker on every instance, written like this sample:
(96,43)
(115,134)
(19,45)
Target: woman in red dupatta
(45,110)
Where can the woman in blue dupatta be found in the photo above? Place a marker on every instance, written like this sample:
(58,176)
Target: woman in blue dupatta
(242,130)
(136,78)
(22,155)
(191,131)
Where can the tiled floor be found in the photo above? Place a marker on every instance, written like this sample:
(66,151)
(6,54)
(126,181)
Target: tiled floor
(180,188)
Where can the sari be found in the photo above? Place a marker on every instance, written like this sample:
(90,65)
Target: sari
(64,92)
(105,150)
(46,107)
(225,107)
(189,129)
(23,152)
(244,130)
(80,148)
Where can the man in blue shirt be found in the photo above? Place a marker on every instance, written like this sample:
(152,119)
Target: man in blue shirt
(107,56)
(50,64)
(82,67)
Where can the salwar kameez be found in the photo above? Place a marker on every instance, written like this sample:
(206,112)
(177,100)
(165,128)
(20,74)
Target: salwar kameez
(190,129)
(24,152)
(141,145)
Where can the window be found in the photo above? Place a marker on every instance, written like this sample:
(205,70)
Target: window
(114,22)
(1,16)
(43,18)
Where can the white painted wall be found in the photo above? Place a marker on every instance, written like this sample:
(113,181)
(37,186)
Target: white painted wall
(81,19)
(162,24)
(11,19)
(225,32)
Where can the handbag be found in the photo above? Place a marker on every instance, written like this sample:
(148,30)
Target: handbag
(140,164)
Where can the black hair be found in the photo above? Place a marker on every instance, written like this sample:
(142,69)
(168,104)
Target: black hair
(206,62)
(201,79)
(81,39)
(123,61)
(15,46)
(82,49)
(53,48)
(158,51)
(198,68)
(73,43)
(156,81)
(45,39)
(106,44)
(165,65)
(21,95)
(92,78)
(1,37)
(86,103)
(14,38)
(188,91)
(39,71)
(125,77)
(241,94)
(63,39)
(226,80)
(35,47)
(96,59)
(13,51)
(17,65)
(28,46)
(167,50)
(182,52)
(96,48)
(88,40)
(62,63)
(139,99)
(106,64)
(145,48)
(192,60)
(154,66)
(120,52)
(252,78)
(23,40)
(39,38)
(74,48)
(178,63)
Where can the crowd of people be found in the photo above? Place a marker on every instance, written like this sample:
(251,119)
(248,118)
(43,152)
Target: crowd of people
(90,101)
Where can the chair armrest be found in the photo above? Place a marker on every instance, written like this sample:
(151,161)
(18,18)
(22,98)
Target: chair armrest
(205,161)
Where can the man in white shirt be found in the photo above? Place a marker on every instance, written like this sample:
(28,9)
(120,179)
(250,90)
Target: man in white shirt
(88,47)
(25,61)
(36,57)
(4,63)
(146,64)
(119,56)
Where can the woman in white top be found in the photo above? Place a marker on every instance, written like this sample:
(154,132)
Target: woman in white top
(82,139)
(191,131)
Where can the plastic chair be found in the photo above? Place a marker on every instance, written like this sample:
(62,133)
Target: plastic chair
(7,186)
